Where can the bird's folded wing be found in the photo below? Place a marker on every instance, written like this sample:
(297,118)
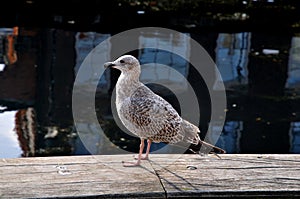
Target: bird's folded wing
(150,115)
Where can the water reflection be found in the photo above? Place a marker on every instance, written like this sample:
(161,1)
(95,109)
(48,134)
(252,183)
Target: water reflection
(230,139)
(232,57)
(294,64)
(9,146)
(295,137)
(25,127)
(260,72)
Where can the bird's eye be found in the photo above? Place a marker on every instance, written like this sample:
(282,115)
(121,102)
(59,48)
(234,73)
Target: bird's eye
(122,61)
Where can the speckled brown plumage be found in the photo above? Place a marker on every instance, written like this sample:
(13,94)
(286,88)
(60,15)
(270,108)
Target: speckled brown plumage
(146,114)
(151,117)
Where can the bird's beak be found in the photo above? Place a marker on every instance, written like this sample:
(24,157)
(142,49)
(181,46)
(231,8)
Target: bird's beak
(109,64)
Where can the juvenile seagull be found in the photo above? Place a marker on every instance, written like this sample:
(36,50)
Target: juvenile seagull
(146,114)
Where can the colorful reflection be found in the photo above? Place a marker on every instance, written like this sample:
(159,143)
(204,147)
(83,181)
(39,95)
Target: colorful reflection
(260,72)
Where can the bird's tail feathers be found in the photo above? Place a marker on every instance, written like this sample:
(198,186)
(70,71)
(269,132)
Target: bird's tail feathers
(191,135)
(212,148)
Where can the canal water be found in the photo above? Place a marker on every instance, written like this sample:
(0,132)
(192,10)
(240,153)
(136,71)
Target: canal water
(38,67)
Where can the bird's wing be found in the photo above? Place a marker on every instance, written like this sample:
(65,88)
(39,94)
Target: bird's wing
(152,117)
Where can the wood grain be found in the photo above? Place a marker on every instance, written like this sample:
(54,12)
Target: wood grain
(164,175)
(235,175)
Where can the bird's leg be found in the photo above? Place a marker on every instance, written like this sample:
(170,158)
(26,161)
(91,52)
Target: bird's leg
(146,157)
(132,164)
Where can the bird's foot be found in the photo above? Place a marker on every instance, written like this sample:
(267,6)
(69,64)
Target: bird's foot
(142,158)
(131,164)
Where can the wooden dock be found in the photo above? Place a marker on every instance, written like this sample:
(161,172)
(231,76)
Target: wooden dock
(164,176)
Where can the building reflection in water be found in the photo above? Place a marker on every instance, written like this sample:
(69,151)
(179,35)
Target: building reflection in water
(26,129)
(9,146)
(293,80)
(266,103)
(293,83)
(260,72)
(295,137)
(231,135)
(232,57)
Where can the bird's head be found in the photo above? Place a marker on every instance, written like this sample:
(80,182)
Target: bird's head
(125,64)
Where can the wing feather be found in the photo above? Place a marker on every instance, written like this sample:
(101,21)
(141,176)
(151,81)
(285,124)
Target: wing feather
(150,116)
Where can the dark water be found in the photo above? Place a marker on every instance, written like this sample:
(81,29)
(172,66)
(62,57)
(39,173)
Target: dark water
(261,73)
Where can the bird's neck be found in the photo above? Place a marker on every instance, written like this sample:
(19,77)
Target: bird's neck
(126,86)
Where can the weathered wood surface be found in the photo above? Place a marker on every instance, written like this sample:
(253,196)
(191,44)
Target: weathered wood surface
(233,175)
(167,175)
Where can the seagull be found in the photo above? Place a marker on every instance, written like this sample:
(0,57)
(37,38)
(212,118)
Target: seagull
(146,114)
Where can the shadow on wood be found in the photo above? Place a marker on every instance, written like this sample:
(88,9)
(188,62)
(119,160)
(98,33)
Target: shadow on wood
(165,175)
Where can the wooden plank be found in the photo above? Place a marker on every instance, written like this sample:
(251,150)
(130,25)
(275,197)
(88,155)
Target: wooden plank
(164,175)
(77,176)
(233,175)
